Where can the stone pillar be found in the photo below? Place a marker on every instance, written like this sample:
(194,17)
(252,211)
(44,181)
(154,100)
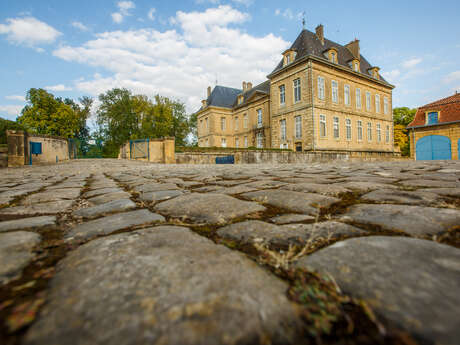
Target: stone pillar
(169,150)
(18,152)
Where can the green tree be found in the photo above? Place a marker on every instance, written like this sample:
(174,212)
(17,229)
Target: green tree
(402,117)
(46,114)
(123,116)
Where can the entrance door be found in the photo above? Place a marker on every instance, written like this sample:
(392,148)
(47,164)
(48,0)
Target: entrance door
(433,147)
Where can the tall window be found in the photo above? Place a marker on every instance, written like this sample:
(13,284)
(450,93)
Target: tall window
(222,123)
(260,140)
(379,133)
(358,98)
(377,103)
(223,142)
(336,127)
(368,101)
(322,126)
(237,142)
(369,131)
(346,94)
(387,134)
(385,105)
(296,90)
(320,87)
(360,130)
(283,129)
(236,123)
(348,128)
(259,118)
(356,67)
(206,122)
(298,126)
(288,59)
(335,91)
(282,95)
(245,121)
(245,141)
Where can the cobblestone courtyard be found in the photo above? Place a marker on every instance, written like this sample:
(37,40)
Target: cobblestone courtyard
(125,252)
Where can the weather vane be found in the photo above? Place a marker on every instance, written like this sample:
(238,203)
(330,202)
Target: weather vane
(303,19)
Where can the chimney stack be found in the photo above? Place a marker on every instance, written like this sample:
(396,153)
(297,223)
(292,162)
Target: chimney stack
(249,86)
(244,86)
(320,33)
(209,91)
(353,47)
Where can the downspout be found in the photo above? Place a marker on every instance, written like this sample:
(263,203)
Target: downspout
(312,106)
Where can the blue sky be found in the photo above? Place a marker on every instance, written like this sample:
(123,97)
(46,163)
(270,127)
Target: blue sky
(178,48)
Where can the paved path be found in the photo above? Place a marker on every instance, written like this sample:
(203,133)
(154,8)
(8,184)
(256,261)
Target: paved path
(124,252)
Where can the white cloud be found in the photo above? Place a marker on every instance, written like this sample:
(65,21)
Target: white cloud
(151,14)
(451,77)
(12,110)
(117,17)
(124,8)
(58,87)
(287,13)
(411,63)
(28,31)
(80,26)
(16,98)
(178,63)
(391,75)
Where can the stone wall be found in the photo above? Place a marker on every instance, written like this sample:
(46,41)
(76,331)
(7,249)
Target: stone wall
(3,156)
(54,149)
(280,157)
(158,151)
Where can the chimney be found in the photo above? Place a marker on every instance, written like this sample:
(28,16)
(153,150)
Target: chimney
(249,86)
(320,33)
(244,86)
(209,91)
(353,47)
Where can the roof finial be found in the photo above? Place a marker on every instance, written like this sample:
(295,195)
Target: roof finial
(216,79)
(303,20)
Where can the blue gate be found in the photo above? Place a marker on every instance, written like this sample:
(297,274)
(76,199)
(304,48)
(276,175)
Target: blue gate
(433,147)
(225,160)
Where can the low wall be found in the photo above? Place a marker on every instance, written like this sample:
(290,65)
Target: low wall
(3,156)
(281,157)
(54,149)
(153,150)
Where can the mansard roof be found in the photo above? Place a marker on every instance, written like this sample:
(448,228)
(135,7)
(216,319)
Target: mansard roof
(448,107)
(307,43)
(223,96)
(262,88)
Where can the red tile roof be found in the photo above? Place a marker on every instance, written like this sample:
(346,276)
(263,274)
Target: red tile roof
(449,108)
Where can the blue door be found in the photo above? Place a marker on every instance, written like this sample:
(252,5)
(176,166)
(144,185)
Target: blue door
(433,147)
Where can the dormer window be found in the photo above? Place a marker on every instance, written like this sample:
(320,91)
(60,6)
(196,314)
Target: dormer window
(333,57)
(432,117)
(354,65)
(240,99)
(289,56)
(374,72)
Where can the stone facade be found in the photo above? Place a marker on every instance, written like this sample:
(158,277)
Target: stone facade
(314,102)
(149,150)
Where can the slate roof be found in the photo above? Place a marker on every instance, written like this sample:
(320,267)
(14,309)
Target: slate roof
(263,88)
(223,96)
(307,43)
(449,108)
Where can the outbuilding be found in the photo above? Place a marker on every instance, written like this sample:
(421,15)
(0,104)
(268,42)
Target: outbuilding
(435,130)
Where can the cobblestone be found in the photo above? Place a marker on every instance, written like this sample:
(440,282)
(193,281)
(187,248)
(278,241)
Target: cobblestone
(375,227)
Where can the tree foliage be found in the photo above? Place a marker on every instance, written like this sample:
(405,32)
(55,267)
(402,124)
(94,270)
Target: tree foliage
(123,116)
(46,114)
(402,117)
(7,125)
